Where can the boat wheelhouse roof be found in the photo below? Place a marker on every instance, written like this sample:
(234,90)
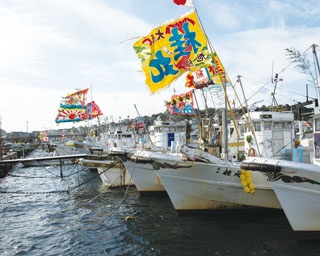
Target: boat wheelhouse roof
(271,116)
(159,125)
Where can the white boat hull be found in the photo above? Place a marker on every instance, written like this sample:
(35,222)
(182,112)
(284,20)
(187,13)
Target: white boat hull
(204,186)
(116,176)
(145,179)
(195,185)
(297,186)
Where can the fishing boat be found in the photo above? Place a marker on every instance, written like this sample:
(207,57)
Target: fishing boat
(195,179)
(164,136)
(112,171)
(295,183)
(119,137)
(274,137)
(114,141)
(270,134)
(198,178)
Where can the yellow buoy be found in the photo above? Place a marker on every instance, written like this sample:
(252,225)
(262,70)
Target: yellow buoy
(248,180)
(252,186)
(129,218)
(246,189)
(244,183)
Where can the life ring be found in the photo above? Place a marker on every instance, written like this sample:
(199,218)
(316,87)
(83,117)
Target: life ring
(251,152)
(108,145)
(267,143)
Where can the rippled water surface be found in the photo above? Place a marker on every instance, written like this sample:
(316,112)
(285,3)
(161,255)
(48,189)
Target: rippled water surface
(44,215)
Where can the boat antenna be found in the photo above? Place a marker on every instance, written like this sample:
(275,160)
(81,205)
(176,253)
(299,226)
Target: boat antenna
(272,72)
(276,79)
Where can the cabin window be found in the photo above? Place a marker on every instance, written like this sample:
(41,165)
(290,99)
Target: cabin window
(267,125)
(282,125)
(231,130)
(278,125)
(287,125)
(242,128)
(257,126)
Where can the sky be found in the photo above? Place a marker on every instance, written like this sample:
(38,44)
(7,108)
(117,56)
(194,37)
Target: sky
(51,48)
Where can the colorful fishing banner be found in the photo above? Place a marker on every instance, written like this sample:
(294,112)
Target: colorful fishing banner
(74,100)
(70,115)
(181,104)
(43,136)
(73,108)
(173,49)
(93,110)
(209,76)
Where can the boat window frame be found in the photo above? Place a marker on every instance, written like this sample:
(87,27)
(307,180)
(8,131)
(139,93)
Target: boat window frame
(257,126)
(317,125)
(267,125)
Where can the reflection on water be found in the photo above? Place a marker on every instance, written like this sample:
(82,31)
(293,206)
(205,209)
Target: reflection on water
(38,217)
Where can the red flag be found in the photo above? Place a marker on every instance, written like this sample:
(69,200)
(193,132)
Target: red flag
(93,110)
(184,2)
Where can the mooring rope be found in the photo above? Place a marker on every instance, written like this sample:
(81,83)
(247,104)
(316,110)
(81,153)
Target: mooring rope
(50,192)
(124,197)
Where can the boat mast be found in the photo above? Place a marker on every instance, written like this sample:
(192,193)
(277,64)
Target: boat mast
(223,78)
(317,67)
(248,118)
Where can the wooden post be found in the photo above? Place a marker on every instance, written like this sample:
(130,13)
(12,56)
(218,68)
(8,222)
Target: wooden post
(61,172)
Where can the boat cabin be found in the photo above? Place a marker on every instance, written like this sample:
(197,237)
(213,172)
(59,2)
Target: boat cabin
(120,138)
(168,134)
(273,137)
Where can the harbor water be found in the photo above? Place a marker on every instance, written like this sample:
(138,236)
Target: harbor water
(42,214)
